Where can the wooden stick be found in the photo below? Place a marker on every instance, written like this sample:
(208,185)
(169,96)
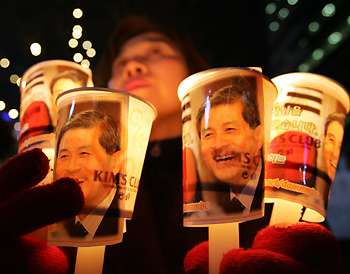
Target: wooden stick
(222,238)
(285,212)
(90,260)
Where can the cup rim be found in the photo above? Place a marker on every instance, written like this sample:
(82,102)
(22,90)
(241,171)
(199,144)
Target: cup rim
(53,62)
(91,89)
(316,81)
(202,77)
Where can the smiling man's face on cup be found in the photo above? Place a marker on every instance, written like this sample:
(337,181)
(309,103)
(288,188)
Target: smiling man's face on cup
(82,156)
(230,146)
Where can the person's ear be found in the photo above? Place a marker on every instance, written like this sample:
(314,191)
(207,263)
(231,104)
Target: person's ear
(260,136)
(117,161)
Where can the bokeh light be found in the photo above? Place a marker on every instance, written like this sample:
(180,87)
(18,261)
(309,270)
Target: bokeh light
(335,38)
(77,13)
(4,63)
(304,68)
(14,78)
(317,54)
(73,43)
(292,2)
(77,31)
(91,52)
(85,63)
(2,105)
(274,26)
(328,10)
(78,57)
(17,126)
(35,49)
(87,45)
(13,113)
(314,26)
(270,8)
(283,13)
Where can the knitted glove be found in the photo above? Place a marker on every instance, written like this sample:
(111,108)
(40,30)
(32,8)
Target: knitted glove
(299,248)
(25,208)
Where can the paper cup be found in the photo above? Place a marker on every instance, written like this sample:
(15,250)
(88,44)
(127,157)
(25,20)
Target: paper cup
(39,87)
(306,135)
(102,137)
(226,127)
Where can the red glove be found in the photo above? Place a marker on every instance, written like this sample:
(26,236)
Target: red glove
(25,208)
(300,248)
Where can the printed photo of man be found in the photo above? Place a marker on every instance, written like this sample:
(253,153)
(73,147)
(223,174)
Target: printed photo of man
(231,139)
(88,149)
(68,79)
(334,133)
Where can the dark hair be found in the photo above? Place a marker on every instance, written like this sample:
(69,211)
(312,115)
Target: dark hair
(135,25)
(74,75)
(230,95)
(339,117)
(109,137)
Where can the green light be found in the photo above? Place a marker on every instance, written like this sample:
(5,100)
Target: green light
(318,54)
(292,2)
(304,67)
(270,8)
(335,38)
(283,13)
(314,26)
(274,26)
(328,10)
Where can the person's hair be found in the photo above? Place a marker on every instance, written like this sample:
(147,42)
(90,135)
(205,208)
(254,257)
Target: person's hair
(109,137)
(230,95)
(338,117)
(74,75)
(136,25)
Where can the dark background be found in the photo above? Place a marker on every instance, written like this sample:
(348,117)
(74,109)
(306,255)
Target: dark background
(227,33)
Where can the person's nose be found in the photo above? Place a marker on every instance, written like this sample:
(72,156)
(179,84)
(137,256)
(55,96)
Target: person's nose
(220,141)
(337,150)
(72,167)
(134,67)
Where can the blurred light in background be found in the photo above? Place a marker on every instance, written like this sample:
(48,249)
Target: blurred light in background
(78,57)
(274,26)
(14,78)
(4,63)
(73,43)
(77,31)
(13,113)
(2,105)
(35,49)
(335,38)
(328,10)
(77,13)
(85,63)
(283,13)
(87,45)
(314,26)
(292,2)
(17,126)
(91,52)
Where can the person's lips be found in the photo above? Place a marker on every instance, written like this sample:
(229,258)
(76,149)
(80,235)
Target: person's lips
(225,157)
(134,84)
(80,180)
(334,164)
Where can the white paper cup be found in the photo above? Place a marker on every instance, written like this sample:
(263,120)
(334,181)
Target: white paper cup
(223,148)
(39,87)
(304,148)
(102,137)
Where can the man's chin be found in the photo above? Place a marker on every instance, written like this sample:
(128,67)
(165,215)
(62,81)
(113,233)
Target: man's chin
(83,186)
